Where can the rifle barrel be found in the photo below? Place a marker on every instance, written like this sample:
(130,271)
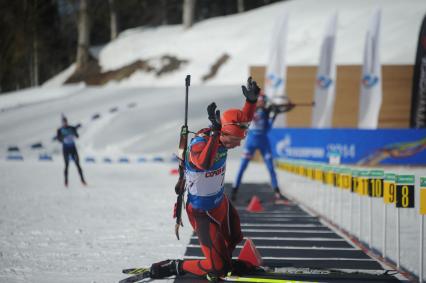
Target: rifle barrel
(305,104)
(187,84)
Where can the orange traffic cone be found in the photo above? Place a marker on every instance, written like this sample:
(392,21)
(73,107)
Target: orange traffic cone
(255,205)
(250,253)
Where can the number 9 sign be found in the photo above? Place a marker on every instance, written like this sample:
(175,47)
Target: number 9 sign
(389,185)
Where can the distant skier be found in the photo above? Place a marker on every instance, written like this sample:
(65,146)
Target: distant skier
(66,135)
(210,213)
(257,139)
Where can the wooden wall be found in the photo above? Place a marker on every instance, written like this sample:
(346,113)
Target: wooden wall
(395,110)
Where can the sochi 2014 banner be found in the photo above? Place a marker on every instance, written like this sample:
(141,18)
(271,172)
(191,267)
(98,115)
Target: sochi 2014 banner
(371,81)
(326,78)
(354,146)
(418,97)
(276,70)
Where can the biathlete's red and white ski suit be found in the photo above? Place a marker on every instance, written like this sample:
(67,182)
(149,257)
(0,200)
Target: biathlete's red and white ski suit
(210,213)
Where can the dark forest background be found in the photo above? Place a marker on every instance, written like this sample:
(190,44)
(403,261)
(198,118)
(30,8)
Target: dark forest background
(39,38)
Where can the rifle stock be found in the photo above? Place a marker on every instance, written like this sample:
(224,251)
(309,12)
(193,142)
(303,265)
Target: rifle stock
(183,143)
(180,185)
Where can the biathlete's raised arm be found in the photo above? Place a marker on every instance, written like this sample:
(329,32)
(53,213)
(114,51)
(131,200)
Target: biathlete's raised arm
(234,122)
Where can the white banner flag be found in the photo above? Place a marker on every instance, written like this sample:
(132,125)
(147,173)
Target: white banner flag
(326,79)
(276,70)
(371,81)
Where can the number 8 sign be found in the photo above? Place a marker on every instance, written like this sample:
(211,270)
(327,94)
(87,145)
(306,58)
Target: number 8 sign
(405,191)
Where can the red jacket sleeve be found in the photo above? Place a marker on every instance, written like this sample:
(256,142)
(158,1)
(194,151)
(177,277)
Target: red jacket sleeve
(249,109)
(202,154)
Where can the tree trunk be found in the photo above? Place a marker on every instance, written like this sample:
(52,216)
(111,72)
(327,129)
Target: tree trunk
(188,13)
(83,36)
(240,6)
(35,64)
(113,19)
(33,43)
(164,13)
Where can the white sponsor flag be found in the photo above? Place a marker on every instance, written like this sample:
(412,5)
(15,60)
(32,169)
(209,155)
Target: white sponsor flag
(371,81)
(326,79)
(276,70)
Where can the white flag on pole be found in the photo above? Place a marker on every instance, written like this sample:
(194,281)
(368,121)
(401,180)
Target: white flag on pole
(326,79)
(371,81)
(276,70)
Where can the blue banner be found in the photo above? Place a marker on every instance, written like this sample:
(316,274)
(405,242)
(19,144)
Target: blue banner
(354,146)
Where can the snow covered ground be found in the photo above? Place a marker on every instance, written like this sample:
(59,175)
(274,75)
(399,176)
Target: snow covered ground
(122,219)
(84,234)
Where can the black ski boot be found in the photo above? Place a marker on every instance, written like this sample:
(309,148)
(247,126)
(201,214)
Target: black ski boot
(234,194)
(212,278)
(242,267)
(166,268)
(278,195)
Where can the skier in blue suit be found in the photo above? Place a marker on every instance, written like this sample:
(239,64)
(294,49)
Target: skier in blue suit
(257,138)
(66,135)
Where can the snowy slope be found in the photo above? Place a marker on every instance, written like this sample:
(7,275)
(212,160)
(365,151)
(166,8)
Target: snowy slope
(146,121)
(246,37)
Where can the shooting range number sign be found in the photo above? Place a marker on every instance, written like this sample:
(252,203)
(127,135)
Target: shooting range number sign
(423,195)
(375,183)
(389,185)
(405,191)
(327,175)
(336,177)
(363,181)
(345,178)
(318,173)
(354,183)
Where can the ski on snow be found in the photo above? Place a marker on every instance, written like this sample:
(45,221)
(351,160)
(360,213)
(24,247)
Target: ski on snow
(138,274)
(142,273)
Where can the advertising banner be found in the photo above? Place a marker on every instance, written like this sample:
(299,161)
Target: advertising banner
(371,81)
(326,78)
(418,97)
(354,146)
(276,70)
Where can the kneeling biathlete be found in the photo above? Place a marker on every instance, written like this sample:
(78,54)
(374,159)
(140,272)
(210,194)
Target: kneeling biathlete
(212,216)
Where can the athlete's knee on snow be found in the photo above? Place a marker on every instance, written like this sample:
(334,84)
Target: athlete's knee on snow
(218,268)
